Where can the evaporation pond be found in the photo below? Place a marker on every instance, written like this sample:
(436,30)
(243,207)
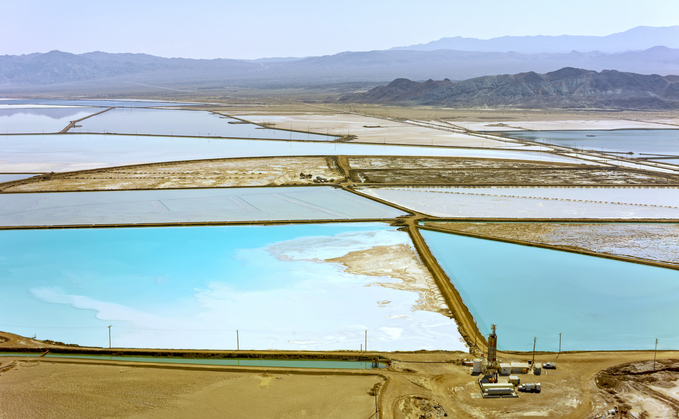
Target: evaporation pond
(18,176)
(536,202)
(184,122)
(596,303)
(280,286)
(67,152)
(130,103)
(188,205)
(637,141)
(242,362)
(47,120)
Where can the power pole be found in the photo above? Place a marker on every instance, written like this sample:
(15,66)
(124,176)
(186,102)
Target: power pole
(655,352)
(366,341)
(109,337)
(534,340)
(559,345)
(237,341)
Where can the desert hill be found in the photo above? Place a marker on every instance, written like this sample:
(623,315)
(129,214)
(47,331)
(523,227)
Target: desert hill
(565,88)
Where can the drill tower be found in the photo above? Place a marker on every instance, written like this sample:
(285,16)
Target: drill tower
(492,350)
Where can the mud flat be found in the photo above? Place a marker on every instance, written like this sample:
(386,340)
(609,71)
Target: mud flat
(647,241)
(479,171)
(268,171)
(373,130)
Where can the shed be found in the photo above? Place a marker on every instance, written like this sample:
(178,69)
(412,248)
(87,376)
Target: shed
(505,368)
(520,367)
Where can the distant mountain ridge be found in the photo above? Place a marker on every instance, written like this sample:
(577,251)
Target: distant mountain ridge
(565,88)
(98,70)
(639,38)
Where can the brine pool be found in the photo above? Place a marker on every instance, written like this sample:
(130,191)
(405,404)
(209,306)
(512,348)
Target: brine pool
(184,122)
(49,120)
(194,287)
(596,303)
(649,141)
(188,205)
(243,362)
(65,152)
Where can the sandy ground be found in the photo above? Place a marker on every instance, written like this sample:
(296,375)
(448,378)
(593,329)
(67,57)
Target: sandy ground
(401,262)
(274,171)
(644,389)
(654,242)
(44,389)
(423,384)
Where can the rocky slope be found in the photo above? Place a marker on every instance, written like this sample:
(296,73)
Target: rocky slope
(565,88)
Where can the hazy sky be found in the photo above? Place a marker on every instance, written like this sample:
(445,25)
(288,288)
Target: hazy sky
(269,28)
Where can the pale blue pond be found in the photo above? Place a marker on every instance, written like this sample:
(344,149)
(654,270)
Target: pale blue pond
(11,177)
(637,141)
(188,205)
(194,287)
(184,122)
(22,121)
(10,102)
(596,303)
(242,362)
(66,152)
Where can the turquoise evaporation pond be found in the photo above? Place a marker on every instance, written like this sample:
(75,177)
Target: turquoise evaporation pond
(39,120)
(243,362)
(9,102)
(649,141)
(183,122)
(194,287)
(596,303)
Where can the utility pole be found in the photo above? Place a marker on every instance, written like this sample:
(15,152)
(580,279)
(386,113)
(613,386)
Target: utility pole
(366,340)
(109,337)
(237,341)
(534,340)
(655,352)
(557,355)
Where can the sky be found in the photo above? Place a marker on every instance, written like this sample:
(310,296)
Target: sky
(296,28)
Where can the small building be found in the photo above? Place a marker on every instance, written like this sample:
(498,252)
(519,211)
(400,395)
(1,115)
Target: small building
(537,368)
(505,368)
(520,367)
(514,380)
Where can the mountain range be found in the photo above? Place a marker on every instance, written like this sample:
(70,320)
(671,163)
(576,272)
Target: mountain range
(58,71)
(565,88)
(639,38)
